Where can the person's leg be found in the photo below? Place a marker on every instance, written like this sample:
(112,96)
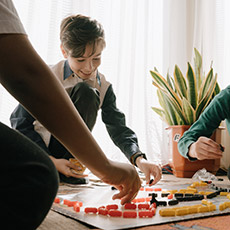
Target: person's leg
(28,181)
(86,100)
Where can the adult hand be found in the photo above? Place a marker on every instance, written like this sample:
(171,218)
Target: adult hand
(123,177)
(65,167)
(205,148)
(148,168)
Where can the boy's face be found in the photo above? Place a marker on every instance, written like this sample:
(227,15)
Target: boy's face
(86,66)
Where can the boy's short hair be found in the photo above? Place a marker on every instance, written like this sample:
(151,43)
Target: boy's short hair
(77,31)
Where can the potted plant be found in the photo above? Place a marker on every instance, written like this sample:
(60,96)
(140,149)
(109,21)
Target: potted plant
(182,100)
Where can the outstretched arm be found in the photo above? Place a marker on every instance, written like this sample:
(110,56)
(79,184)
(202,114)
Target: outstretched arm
(31,82)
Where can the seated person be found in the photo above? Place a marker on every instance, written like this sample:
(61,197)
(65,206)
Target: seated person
(196,144)
(82,43)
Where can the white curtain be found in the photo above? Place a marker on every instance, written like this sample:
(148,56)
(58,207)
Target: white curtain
(133,31)
(140,35)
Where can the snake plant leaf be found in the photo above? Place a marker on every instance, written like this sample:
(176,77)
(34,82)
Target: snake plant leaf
(192,89)
(217,88)
(180,83)
(173,108)
(198,67)
(205,85)
(207,97)
(188,111)
(162,84)
(170,81)
(162,115)
(167,108)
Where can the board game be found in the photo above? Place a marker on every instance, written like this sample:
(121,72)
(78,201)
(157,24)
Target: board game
(93,200)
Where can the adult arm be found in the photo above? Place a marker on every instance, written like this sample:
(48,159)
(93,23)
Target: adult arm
(196,143)
(31,82)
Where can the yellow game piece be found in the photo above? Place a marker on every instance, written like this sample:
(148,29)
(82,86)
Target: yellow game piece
(182,211)
(182,190)
(222,207)
(227,204)
(212,207)
(193,209)
(167,212)
(206,202)
(202,183)
(223,193)
(202,192)
(190,189)
(207,193)
(228,196)
(203,209)
(189,192)
(172,191)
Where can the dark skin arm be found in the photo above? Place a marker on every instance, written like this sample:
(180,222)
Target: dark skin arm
(31,82)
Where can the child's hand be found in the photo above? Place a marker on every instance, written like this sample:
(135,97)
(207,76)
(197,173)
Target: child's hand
(149,169)
(65,167)
(205,148)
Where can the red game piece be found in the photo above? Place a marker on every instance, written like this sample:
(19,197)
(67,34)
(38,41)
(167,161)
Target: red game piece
(57,200)
(76,207)
(145,214)
(153,205)
(157,189)
(71,203)
(102,210)
(80,203)
(115,213)
(111,206)
(170,196)
(130,206)
(140,200)
(153,210)
(147,199)
(148,189)
(141,189)
(90,210)
(130,214)
(66,202)
(143,206)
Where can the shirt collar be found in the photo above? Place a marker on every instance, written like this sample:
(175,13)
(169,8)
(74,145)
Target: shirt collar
(68,72)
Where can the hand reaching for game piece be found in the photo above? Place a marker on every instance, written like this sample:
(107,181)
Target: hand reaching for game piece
(127,185)
(149,169)
(205,148)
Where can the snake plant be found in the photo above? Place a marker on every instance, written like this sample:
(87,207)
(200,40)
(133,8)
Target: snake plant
(183,99)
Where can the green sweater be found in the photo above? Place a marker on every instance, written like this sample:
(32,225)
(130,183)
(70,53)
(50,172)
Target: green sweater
(217,111)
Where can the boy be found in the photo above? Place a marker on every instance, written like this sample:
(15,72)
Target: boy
(82,43)
(196,143)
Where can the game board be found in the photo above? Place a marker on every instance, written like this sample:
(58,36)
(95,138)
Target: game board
(98,196)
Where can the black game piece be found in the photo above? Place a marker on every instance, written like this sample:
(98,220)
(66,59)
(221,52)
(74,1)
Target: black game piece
(164,194)
(161,203)
(178,195)
(173,202)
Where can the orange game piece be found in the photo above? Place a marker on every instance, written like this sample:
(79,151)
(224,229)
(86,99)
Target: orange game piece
(130,206)
(111,206)
(130,214)
(90,210)
(57,200)
(143,206)
(115,213)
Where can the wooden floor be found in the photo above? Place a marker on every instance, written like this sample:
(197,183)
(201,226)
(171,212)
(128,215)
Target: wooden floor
(56,221)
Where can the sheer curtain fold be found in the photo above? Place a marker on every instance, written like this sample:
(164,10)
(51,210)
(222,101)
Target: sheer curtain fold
(140,35)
